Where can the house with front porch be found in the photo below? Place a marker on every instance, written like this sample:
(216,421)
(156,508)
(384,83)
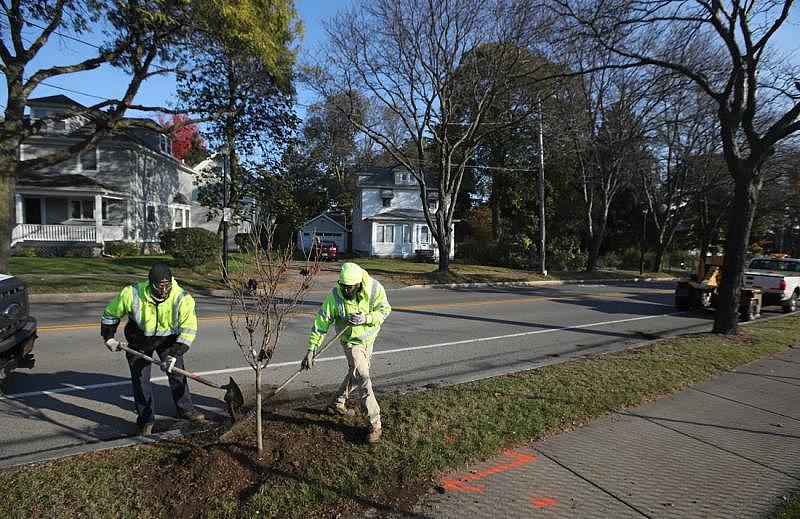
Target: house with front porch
(127,188)
(387,215)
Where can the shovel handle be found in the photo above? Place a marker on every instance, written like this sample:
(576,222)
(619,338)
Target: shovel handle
(124,347)
(316,354)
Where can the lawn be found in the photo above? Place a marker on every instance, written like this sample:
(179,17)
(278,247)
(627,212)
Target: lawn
(315,465)
(49,275)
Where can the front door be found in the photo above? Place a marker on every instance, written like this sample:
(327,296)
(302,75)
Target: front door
(408,242)
(33,210)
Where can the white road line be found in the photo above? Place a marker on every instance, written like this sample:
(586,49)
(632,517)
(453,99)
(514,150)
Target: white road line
(74,388)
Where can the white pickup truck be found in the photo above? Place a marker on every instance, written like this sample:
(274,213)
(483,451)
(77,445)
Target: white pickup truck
(778,278)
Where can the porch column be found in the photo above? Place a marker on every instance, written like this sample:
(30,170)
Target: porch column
(18,209)
(98,218)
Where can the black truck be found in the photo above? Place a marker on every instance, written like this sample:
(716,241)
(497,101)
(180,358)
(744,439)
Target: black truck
(17,327)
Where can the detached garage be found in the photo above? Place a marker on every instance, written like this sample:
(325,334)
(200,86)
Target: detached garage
(327,227)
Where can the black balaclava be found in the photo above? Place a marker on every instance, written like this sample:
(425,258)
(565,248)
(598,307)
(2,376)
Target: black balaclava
(350,292)
(159,273)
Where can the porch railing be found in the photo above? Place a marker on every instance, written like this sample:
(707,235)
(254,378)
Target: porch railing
(64,233)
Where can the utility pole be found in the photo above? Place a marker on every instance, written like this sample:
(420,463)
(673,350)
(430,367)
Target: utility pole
(226,212)
(541,191)
(644,238)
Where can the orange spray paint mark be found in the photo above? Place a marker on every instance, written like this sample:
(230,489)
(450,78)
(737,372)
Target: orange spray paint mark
(542,502)
(449,437)
(518,458)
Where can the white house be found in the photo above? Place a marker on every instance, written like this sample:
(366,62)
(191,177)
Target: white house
(387,215)
(127,188)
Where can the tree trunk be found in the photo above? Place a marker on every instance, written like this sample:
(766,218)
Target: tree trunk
(659,257)
(259,438)
(8,182)
(726,319)
(444,251)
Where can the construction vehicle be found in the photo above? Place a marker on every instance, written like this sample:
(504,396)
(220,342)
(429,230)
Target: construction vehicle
(702,290)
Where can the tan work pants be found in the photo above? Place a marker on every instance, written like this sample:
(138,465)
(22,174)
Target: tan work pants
(358,362)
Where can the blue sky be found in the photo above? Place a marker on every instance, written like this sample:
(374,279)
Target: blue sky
(104,83)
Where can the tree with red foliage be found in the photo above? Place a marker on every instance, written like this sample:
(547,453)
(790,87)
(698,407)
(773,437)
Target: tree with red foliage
(187,144)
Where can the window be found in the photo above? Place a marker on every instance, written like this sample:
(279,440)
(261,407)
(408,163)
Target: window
(88,160)
(151,213)
(387,202)
(384,233)
(165,144)
(406,234)
(424,236)
(38,113)
(81,209)
(177,218)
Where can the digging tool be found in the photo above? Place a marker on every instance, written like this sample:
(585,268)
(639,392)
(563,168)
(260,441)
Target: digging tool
(317,352)
(233,395)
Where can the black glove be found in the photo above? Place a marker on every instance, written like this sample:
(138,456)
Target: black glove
(176,350)
(107,331)
(307,361)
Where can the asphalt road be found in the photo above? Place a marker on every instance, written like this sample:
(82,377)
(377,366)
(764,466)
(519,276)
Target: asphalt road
(79,393)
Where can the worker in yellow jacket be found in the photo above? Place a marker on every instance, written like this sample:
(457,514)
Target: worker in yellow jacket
(161,318)
(358,302)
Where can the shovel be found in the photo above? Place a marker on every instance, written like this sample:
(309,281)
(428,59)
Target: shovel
(233,395)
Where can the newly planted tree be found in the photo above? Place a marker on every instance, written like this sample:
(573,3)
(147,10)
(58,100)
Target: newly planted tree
(265,290)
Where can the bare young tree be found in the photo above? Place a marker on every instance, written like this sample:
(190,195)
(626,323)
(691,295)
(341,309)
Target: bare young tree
(408,57)
(725,48)
(264,293)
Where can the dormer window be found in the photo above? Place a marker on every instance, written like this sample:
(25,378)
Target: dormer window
(403,178)
(165,144)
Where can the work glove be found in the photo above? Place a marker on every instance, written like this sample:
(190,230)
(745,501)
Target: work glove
(358,318)
(112,344)
(168,363)
(307,361)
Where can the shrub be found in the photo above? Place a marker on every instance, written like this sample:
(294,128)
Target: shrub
(478,251)
(564,253)
(121,249)
(79,252)
(25,252)
(192,246)
(167,240)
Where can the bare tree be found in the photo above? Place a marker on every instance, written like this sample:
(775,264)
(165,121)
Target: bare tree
(685,144)
(606,114)
(724,47)
(407,56)
(263,295)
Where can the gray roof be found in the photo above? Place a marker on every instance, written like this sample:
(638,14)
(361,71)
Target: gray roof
(399,214)
(73,181)
(384,177)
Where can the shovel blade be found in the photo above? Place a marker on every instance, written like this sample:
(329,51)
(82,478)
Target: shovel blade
(233,398)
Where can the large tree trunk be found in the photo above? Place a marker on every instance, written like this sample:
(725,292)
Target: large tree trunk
(8,182)
(726,319)
(444,251)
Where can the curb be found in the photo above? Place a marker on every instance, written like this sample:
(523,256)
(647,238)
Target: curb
(539,283)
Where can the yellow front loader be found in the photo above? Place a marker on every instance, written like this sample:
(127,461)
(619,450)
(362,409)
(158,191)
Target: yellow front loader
(700,292)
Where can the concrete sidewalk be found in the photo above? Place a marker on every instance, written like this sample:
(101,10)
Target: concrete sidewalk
(729,447)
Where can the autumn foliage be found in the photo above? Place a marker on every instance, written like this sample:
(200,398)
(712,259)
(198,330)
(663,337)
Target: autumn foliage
(186,139)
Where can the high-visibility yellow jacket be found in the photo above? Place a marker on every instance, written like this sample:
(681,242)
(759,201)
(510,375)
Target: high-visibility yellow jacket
(173,316)
(370,301)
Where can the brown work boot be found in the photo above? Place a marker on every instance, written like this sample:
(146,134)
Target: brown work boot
(374,435)
(194,416)
(146,429)
(342,410)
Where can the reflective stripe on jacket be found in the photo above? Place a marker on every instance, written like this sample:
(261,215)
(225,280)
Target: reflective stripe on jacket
(173,316)
(370,301)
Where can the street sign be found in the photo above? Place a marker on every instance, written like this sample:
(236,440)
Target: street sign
(226,214)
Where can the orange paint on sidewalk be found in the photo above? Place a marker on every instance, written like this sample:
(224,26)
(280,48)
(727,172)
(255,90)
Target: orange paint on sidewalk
(541,502)
(519,458)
